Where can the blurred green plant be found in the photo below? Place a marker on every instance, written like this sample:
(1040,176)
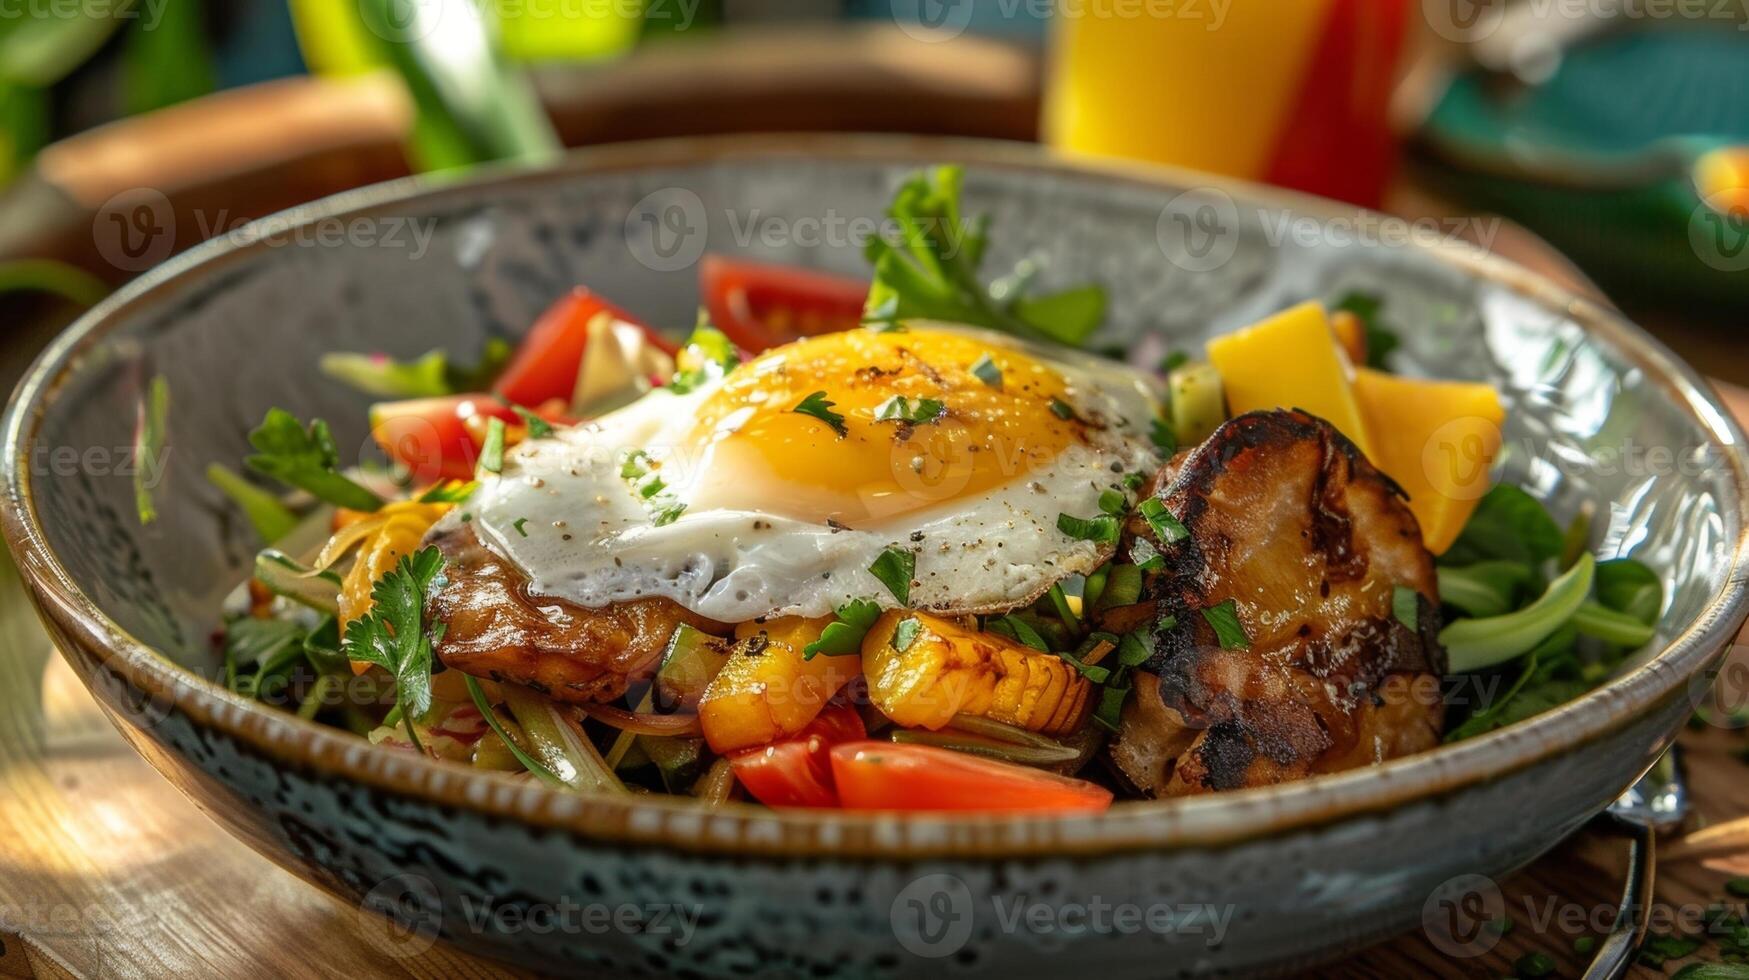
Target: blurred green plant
(165,59)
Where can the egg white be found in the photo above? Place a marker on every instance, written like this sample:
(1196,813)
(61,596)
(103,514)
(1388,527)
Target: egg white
(562,512)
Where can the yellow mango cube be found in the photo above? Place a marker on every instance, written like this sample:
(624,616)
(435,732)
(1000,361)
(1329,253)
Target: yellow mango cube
(1438,440)
(1291,360)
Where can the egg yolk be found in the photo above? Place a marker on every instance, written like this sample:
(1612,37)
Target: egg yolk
(753,450)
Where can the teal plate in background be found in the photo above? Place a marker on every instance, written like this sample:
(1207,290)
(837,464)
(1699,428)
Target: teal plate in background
(1623,157)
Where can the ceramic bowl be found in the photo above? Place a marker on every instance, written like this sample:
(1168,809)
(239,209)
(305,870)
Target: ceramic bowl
(1259,880)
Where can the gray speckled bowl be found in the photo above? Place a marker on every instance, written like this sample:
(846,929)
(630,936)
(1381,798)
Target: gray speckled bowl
(1294,873)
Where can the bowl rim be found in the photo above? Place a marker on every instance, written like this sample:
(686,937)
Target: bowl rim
(744,829)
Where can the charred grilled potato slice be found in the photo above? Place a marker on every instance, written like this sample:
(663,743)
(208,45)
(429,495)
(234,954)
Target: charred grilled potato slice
(1280,514)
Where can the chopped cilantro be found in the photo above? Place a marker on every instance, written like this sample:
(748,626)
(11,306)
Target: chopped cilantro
(1135,648)
(709,354)
(1406,606)
(1018,630)
(306,459)
(895,568)
(817,406)
(394,635)
(899,408)
(518,524)
(538,428)
(1224,620)
(1109,714)
(843,636)
(1062,409)
(985,370)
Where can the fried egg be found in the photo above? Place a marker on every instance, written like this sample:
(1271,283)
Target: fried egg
(772,491)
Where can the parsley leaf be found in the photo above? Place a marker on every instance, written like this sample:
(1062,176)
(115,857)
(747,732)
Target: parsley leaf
(901,409)
(985,370)
(1062,409)
(538,428)
(1099,530)
(1166,526)
(1018,630)
(519,524)
(1224,620)
(709,354)
(394,636)
(306,459)
(895,568)
(1406,606)
(843,636)
(817,406)
(930,271)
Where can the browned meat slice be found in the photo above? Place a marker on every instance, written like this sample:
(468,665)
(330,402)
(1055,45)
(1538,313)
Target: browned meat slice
(1287,519)
(496,629)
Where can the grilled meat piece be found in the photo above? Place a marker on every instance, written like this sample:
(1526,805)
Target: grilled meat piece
(496,629)
(1290,521)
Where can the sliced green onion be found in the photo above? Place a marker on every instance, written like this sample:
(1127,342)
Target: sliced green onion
(1474,644)
(541,772)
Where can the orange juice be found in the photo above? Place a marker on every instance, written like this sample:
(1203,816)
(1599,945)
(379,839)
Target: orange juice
(1291,91)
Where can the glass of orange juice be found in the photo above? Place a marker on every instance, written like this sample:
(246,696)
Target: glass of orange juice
(1291,92)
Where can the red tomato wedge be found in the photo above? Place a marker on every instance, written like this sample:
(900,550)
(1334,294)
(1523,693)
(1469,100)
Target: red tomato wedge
(429,436)
(547,361)
(889,776)
(797,771)
(763,306)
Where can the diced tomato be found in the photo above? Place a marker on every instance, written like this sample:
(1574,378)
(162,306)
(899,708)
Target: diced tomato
(797,771)
(429,436)
(546,362)
(889,776)
(763,306)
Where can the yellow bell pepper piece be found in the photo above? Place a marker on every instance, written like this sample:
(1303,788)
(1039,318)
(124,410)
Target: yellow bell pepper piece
(1438,440)
(1291,360)
(766,691)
